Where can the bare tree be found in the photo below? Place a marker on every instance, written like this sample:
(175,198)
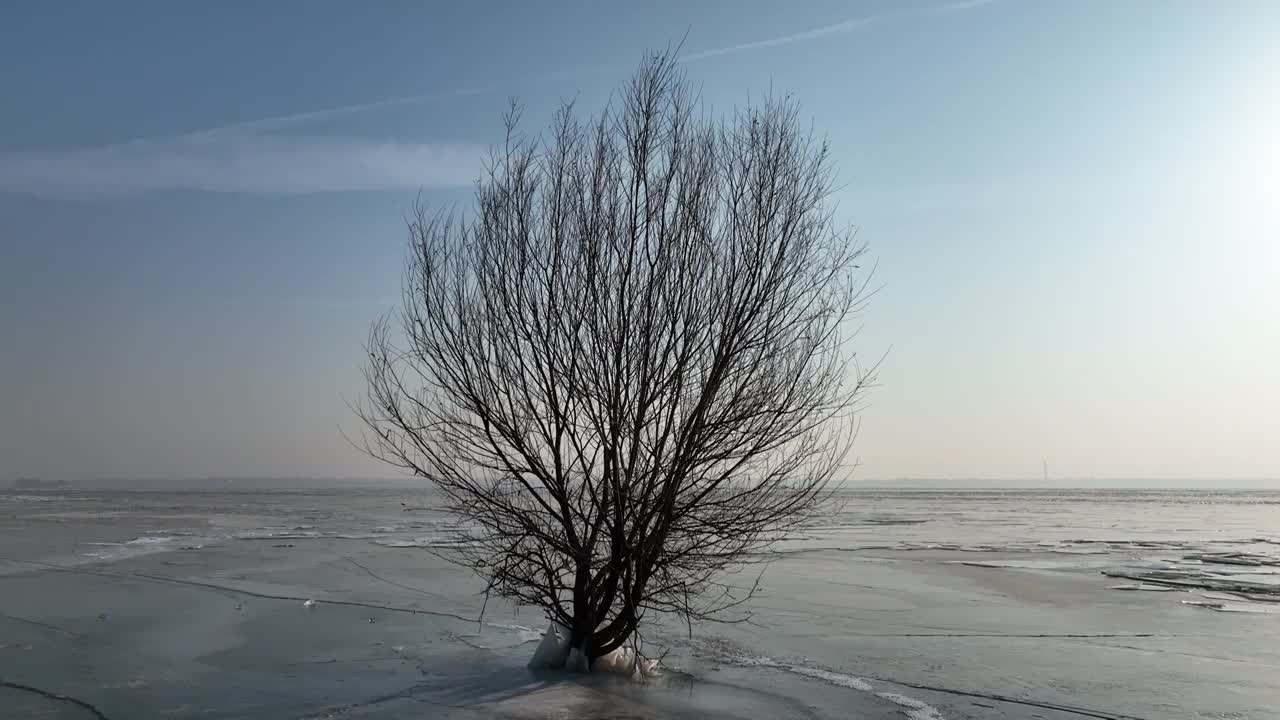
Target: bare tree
(625,369)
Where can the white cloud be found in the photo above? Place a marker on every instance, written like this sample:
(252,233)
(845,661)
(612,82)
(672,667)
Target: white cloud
(238,163)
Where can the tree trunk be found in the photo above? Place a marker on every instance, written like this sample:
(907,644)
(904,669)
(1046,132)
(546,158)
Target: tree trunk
(580,635)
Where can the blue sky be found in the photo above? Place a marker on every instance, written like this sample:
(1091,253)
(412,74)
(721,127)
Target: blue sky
(1073,205)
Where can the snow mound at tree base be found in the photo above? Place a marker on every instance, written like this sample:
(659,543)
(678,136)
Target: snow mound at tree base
(553,653)
(626,661)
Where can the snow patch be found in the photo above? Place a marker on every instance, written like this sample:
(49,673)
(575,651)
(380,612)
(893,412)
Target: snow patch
(758,661)
(278,535)
(144,545)
(916,710)
(1233,607)
(150,540)
(849,681)
(34,498)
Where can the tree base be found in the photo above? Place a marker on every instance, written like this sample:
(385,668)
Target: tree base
(554,653)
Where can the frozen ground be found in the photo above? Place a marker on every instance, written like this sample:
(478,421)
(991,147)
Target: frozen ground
(918,605)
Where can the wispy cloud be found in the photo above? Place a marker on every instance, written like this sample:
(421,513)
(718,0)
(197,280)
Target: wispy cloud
(255,157)
(960,5)
(256,164)
(839,28)
(842,27)
(281,122)
(251,157)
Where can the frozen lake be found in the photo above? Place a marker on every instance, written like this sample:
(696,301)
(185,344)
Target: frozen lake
(907,604)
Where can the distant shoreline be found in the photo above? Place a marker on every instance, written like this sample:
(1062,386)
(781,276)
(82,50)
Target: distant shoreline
(418,484)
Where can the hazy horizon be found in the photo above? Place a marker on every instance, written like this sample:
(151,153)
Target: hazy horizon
(1071,204)
(855,483)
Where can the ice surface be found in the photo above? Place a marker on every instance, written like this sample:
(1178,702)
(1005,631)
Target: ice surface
(421,542)
(862,602)
(1146,587)
(1198,579)
(1034,564)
